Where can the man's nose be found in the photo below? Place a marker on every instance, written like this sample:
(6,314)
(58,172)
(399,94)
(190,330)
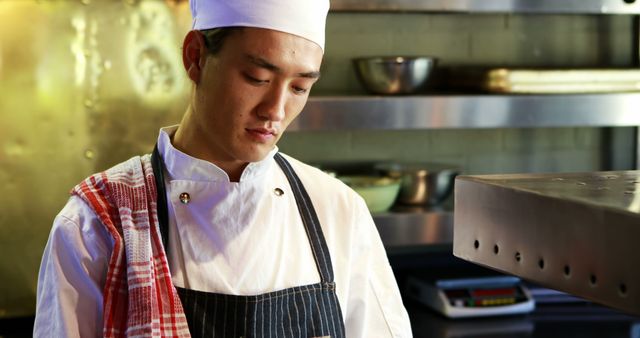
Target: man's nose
(273,104)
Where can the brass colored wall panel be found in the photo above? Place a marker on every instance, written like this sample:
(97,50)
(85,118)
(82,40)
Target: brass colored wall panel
(84,85)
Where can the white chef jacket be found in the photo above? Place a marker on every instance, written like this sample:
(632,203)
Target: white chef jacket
(237,238)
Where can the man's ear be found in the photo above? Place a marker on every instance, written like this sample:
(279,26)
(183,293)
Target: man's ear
(194,51)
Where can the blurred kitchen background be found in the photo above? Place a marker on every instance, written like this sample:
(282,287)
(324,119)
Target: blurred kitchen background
(85,84)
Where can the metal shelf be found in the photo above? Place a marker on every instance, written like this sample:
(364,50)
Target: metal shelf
(468,111)
(491,6)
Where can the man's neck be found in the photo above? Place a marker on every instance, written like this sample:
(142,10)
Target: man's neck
(187,141)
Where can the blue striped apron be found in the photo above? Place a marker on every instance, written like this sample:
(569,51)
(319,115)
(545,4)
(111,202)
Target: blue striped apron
(301,311)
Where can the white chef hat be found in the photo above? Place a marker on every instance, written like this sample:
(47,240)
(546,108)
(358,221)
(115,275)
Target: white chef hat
(305,18)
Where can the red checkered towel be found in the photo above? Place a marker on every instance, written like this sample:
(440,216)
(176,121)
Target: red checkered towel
(143,301)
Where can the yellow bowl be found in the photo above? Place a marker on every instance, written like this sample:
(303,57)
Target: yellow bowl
(378,192)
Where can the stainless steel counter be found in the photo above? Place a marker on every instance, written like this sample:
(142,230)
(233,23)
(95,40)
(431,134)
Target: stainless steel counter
(427,230)
(577,233)
(545,322)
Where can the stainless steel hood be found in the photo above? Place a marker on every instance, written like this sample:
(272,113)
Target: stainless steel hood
(578,233)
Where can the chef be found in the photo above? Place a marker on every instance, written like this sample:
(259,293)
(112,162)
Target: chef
(216,233)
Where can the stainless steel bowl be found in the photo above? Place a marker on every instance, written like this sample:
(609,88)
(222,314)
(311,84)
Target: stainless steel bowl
(426,184)
(394,75)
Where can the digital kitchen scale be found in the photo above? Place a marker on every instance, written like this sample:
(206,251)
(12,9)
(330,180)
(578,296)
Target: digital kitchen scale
(472,297)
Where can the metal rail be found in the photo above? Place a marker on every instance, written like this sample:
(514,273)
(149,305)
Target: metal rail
(469,111)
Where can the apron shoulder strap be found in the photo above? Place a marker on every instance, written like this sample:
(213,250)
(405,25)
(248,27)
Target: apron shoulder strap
(310,221)
(163,216)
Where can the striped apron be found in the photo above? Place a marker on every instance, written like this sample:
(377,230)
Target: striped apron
(301,311)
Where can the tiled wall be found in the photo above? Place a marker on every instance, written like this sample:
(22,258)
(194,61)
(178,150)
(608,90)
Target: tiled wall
(463,39)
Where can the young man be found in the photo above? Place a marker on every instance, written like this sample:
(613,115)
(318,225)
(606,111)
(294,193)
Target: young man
(216,233)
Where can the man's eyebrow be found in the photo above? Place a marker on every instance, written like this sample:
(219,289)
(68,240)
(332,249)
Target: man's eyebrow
(260,62)
(311,75)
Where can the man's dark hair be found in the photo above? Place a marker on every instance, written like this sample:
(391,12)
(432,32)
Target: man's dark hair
(214,38)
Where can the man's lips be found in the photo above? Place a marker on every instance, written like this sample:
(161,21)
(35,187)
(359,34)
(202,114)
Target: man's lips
(262,135)
(263,131)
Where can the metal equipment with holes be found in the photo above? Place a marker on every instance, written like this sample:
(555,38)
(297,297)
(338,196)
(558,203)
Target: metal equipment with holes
(578,233)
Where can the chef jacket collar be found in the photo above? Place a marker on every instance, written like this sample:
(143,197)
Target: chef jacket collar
(181,166)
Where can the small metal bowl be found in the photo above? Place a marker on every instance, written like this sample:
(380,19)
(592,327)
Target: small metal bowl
(394,75)
(421,183)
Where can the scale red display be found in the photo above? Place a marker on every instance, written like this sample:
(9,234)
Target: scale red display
(482,297)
